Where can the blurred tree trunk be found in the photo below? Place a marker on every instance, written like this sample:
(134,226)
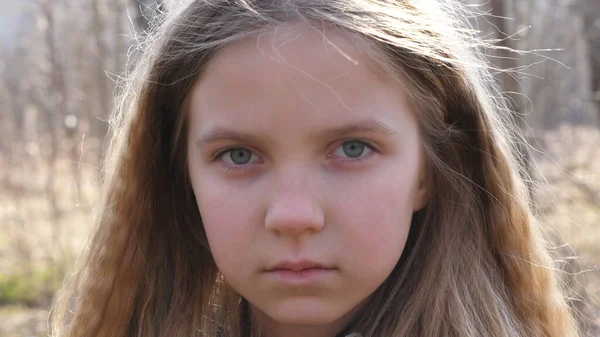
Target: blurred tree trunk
(501,10)
(590,11)
(507,60)
(104,98)
(8,125)
(81,108)
(118,35)
(56,106)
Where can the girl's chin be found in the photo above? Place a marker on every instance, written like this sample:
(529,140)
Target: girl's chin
(302,319)
(305,314)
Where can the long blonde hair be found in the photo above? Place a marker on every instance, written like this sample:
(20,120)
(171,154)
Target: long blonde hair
(475,263)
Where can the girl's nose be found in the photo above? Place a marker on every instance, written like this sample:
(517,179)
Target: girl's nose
(293,215)
(294,210)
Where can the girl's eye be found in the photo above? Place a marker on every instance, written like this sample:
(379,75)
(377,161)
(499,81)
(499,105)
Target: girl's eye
(238,156)
(353,149)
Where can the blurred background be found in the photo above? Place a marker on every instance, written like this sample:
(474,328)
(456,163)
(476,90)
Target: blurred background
(60,59)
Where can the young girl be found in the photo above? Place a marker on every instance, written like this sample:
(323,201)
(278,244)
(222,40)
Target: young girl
(313,168)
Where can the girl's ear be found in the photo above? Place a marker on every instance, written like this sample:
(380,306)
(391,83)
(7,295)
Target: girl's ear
(423,190)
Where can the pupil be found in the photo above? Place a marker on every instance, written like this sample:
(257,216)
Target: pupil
(241,157)
(353,149)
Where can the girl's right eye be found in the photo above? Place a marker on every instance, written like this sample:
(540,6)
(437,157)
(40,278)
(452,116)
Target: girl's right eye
(237,157)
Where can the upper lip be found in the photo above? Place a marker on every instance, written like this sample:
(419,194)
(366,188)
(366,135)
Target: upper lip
(298,265)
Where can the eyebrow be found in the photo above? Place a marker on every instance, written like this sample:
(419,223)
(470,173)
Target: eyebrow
(367,126)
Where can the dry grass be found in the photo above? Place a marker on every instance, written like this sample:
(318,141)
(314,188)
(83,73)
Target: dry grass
(570,205)
(33,241)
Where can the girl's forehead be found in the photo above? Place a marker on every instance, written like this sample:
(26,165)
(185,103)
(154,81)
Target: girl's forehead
(290,45)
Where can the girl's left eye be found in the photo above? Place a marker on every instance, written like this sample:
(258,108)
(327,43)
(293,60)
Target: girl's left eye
(353,149)
(238,156)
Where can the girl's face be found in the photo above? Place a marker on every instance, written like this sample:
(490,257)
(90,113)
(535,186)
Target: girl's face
(307,167)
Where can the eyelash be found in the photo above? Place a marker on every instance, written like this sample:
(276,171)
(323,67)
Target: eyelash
(356,160)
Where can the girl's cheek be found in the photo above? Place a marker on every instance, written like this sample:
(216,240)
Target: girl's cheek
(223,204)
(229,220)
(376,199)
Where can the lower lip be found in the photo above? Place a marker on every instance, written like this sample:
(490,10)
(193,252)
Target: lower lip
(300,277)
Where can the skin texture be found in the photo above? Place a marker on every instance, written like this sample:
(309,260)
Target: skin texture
(290,99)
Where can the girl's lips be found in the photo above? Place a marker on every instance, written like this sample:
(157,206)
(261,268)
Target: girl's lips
(300,277)
(298,265)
